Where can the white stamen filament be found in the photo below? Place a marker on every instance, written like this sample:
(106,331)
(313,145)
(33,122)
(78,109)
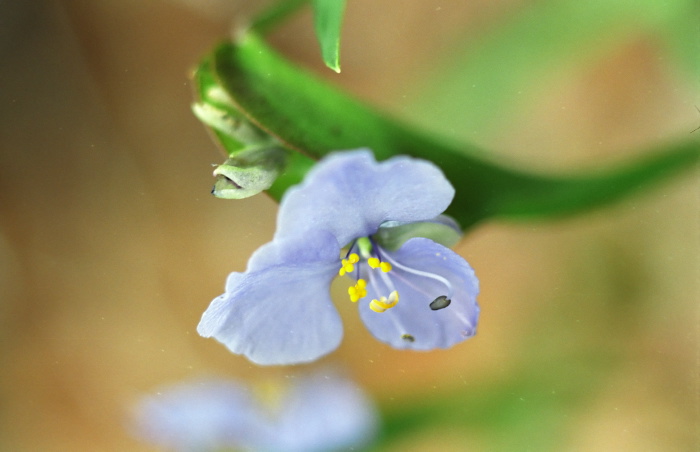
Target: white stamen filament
(438,278)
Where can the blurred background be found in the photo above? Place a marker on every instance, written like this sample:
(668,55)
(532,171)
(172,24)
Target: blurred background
(111,246)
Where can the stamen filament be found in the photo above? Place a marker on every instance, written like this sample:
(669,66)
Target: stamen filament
(438,278)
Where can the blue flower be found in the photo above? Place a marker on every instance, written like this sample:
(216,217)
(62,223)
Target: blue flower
(320,412)
(414,292)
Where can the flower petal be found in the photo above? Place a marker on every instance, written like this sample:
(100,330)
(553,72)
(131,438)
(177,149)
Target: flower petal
(321,246)
(411,324)
(281,314)
(200,415)
(325,412)
(349,194)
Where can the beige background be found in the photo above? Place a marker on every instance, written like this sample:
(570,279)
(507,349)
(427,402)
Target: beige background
(111,246)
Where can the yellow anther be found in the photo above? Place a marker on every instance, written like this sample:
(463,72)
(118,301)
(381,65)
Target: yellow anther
(373,262)
(348,265)
(352,291)
(385,266)
(393,298)
(358,290)
(383,304)
(376,306)
(353,258)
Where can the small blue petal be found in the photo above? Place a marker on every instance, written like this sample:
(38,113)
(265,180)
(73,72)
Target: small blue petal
(321,246)
(315,413)
(325,412)
(281,314)
(411,324)
(205,415)
(349,194)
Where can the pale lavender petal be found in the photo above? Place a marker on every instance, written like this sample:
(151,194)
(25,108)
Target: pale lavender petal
(349,194)
(319,246)
(206,415)
(278,315)
(310,413)
(411,324)
(325,412)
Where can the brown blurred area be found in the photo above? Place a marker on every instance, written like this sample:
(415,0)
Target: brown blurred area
(111,246)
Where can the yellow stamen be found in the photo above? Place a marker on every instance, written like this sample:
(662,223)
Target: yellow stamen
(348,265)
(383,304)
(374,305)
(385,267)
(373,262)
(358,290)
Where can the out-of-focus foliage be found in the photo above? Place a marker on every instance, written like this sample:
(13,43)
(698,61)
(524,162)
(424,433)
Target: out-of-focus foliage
(314,119)
(328,18)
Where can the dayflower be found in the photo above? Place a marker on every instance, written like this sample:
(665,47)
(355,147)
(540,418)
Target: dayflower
(313,413)
(351,216)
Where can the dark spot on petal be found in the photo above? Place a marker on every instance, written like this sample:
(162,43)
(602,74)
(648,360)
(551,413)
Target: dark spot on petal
(408,338)
(440,302)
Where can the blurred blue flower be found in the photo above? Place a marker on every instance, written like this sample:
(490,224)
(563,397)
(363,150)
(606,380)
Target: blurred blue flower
(320,412)
(423,295)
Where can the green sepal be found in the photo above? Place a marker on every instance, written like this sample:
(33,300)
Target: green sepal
(392,236)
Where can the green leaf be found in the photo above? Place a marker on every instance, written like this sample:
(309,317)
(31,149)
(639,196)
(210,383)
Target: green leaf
(315,119)
(328,18)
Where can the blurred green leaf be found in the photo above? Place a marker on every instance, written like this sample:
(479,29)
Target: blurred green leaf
(314,119)
(478,78)
(328,18)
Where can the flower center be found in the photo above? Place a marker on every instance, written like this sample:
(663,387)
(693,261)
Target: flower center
(359,290)
(380,264)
